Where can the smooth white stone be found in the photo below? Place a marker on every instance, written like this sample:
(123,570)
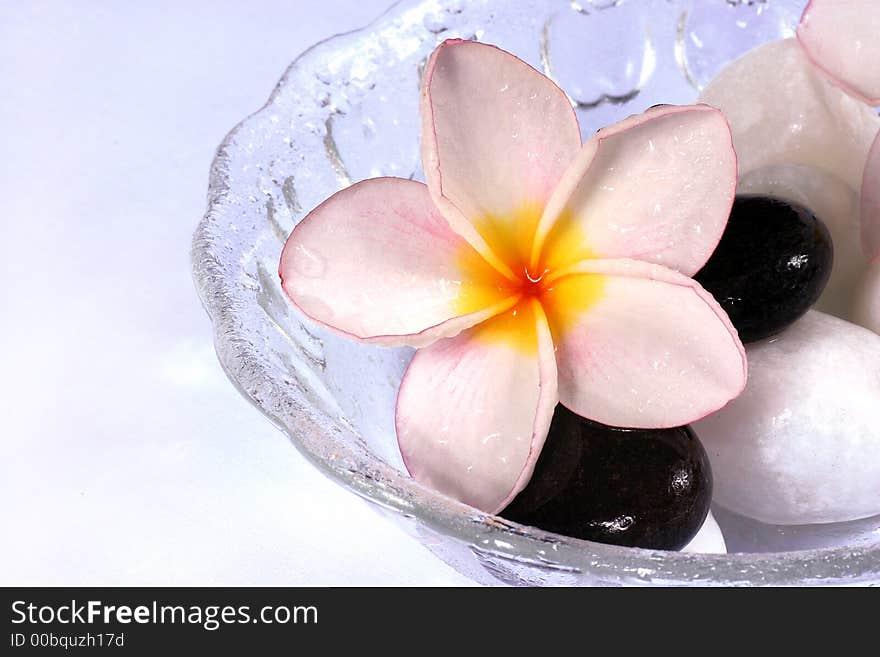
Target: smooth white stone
(709,540)
(750,535)
(867,302)
(783,110)
(801,445)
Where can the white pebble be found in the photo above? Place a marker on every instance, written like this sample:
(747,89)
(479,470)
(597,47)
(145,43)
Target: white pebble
(709,540)
(783,110)
(802,443)
(750,535)
(867,302)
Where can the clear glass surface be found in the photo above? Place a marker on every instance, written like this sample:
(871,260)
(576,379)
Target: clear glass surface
(347,109)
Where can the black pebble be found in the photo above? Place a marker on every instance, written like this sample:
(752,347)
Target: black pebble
(771,265)
(634,487)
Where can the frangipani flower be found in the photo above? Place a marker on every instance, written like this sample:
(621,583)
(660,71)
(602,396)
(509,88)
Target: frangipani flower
(530,269)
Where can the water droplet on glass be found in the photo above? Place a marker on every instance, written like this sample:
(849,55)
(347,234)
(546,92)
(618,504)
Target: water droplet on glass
(434,23)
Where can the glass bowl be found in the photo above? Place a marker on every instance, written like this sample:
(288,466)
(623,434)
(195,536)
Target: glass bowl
(347,109)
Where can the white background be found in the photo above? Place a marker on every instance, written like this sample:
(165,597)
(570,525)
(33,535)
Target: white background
(127,457)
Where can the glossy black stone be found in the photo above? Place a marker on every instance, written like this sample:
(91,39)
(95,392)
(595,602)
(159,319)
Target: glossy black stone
(634,487)
(771,265)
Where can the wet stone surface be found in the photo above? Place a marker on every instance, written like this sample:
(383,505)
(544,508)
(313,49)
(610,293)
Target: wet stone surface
(633,487)
(770,267)
(801,444)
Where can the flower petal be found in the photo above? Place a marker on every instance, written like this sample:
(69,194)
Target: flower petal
(473,411)
(870,203)
(783,110)
(843,39)
(656,187)
(648,349)
(496,137)
(377,261)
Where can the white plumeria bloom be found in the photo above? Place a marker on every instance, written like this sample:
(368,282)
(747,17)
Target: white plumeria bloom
(529,270)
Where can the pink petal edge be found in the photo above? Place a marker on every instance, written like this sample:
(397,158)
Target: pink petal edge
(870,204)
(634,330)
(496,134)
(843,40)
(628,225)
(547,400)
(466,380)
(373,263)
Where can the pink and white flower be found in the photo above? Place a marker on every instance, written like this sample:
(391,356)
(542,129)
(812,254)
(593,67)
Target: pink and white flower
(529,270)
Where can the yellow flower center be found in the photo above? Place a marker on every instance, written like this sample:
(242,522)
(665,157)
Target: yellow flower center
(561,297)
